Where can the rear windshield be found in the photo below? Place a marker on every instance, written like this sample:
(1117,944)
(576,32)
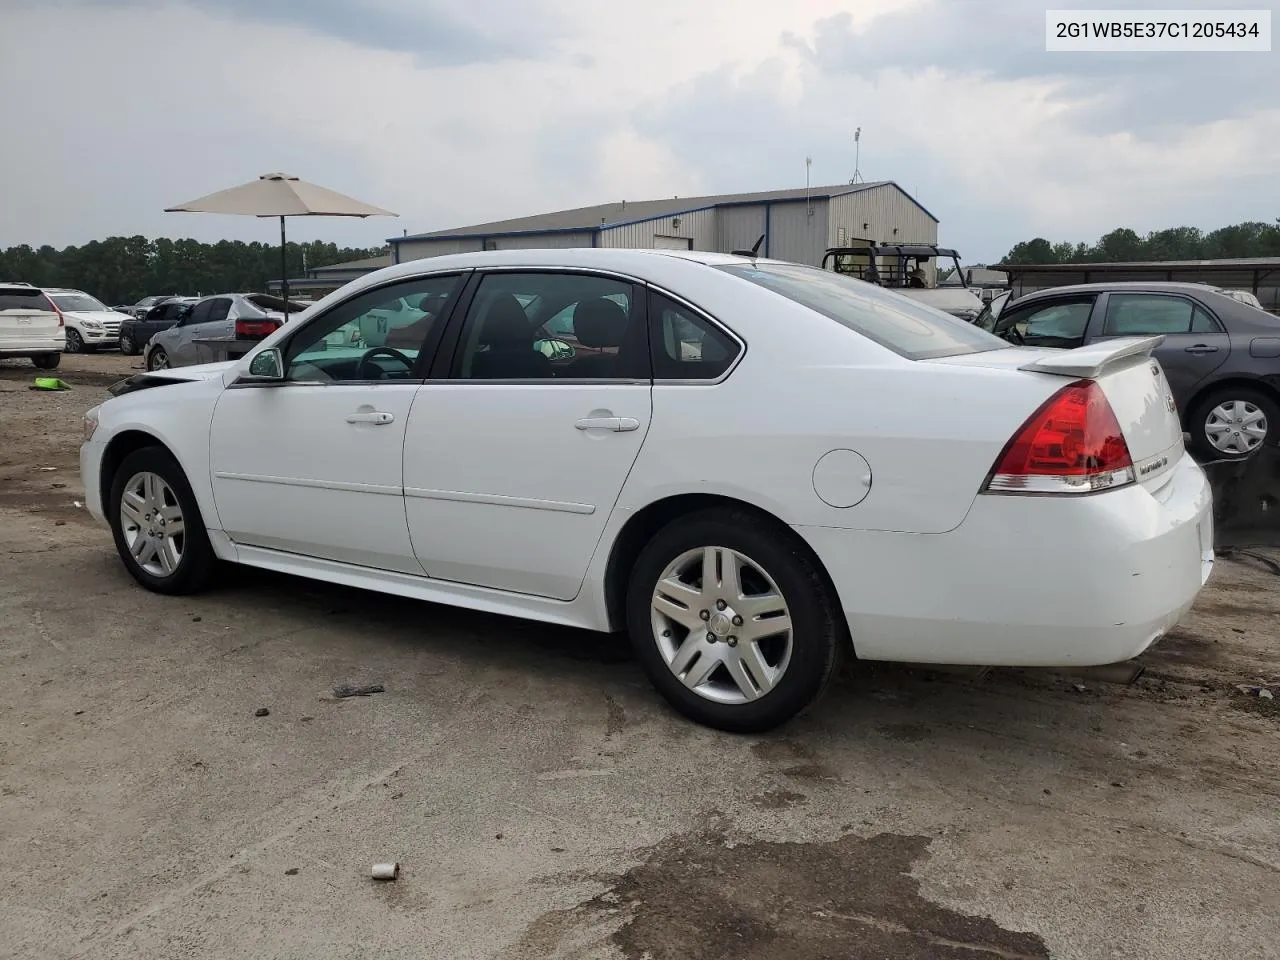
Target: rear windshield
(78,302)
(16,298)
(908,328)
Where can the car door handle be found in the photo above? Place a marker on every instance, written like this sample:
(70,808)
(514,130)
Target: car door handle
(376,417)
(616,424)
(1200,348)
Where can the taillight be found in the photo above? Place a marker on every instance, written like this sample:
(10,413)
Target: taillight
(1072,444)
(62,321)
(255,329)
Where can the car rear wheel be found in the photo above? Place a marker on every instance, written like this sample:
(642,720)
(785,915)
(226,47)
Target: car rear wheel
(157,359)
(1232,422)
(47,361)
(157,526)
(733,621)
(75,342)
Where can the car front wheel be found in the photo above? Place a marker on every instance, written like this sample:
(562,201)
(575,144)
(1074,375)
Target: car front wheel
(126,346)
(75,342)
(1233,422)
(733,621)
(157,359)
(157,526)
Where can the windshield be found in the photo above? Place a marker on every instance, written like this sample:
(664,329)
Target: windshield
(78,303)
(907,327)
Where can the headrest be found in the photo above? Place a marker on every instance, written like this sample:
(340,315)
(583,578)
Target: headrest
(507,325)
(599,323)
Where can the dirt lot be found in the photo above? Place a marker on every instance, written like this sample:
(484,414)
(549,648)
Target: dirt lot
(544,803)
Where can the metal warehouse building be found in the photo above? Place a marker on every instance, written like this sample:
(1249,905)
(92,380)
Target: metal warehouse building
(797,225)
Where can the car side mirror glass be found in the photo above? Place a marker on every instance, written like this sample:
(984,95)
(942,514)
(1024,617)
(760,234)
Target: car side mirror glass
(267,365)
(555,349)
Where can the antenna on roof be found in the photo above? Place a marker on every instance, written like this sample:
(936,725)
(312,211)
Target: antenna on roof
(753,252)
(857,156)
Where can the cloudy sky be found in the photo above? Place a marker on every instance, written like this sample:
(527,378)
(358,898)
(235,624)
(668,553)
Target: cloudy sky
(460,111)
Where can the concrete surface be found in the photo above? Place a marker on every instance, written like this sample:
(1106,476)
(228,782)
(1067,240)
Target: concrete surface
(544,803)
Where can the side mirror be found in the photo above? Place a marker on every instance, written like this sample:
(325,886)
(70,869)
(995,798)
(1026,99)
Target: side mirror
(556,349)
(267,365)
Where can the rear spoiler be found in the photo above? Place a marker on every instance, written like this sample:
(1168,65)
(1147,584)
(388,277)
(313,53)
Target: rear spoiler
(1089,362)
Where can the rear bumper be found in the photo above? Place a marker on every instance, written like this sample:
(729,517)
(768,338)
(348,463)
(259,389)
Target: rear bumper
(26,346)
(1029,581)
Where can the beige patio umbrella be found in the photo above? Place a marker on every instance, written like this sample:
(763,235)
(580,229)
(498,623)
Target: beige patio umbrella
(281,195)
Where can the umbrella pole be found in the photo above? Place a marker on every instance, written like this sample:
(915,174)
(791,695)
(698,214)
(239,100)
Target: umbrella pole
(284,269)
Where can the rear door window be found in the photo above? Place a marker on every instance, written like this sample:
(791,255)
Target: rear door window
(1146,314)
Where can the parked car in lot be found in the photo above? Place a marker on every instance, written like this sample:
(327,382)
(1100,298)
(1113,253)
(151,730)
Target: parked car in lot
(30,326)
(90,323)
(146,303)
(764,468)
(1221,355)
(136,332)
(242,316)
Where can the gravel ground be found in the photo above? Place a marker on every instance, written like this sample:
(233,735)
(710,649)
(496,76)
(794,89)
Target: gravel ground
(544,803)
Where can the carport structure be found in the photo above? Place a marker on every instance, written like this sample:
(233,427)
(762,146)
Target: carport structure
(1259,275)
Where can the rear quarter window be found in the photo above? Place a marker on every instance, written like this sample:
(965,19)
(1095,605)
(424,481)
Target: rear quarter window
(910,329)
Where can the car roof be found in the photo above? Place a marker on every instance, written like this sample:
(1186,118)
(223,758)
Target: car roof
(1152,286)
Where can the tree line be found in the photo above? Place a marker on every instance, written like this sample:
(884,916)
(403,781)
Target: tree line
(1250,239)
(123,270)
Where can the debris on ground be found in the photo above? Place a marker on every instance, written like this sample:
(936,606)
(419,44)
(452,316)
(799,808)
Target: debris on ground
(291,872)
(1255,690)
(49,383)
(386,871)
(262,712)
(356,690)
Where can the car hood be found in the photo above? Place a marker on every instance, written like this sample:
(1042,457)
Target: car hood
(102,316)
(158,378)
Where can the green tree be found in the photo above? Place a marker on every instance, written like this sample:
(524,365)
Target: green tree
(126,269)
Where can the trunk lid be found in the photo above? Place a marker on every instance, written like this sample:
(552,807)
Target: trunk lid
(1131,379)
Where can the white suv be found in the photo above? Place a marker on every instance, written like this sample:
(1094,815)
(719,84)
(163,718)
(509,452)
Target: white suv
(30,325)
(90,322)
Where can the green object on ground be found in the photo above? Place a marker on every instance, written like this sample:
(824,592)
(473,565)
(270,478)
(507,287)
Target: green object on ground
(50,383)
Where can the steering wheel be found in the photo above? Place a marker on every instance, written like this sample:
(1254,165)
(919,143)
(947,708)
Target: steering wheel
(362,366)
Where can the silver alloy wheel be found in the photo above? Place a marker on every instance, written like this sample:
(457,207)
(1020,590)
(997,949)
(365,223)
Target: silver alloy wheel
(721,625)
(159,360)
(126,345)
(152,524)
(75,342)
(1236,426)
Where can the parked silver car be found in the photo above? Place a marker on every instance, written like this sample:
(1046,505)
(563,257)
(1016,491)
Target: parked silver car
(224,317)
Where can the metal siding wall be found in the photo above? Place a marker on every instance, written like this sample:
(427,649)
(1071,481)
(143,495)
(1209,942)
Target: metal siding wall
(418,249)
(699,226)
(544,241)
(739,228)
(795,236)
(883,209)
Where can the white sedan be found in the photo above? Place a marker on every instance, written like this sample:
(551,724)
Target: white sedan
(754,468)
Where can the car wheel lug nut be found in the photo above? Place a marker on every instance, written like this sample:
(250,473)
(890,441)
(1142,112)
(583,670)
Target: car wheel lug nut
(711,637)
(732,641)
(720,604)
(705,614)
(737,621)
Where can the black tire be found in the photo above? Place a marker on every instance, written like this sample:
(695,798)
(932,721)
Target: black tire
(47,361)
(1197,421)
(819,633)
(75,342)
(195,571)
(155,353)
